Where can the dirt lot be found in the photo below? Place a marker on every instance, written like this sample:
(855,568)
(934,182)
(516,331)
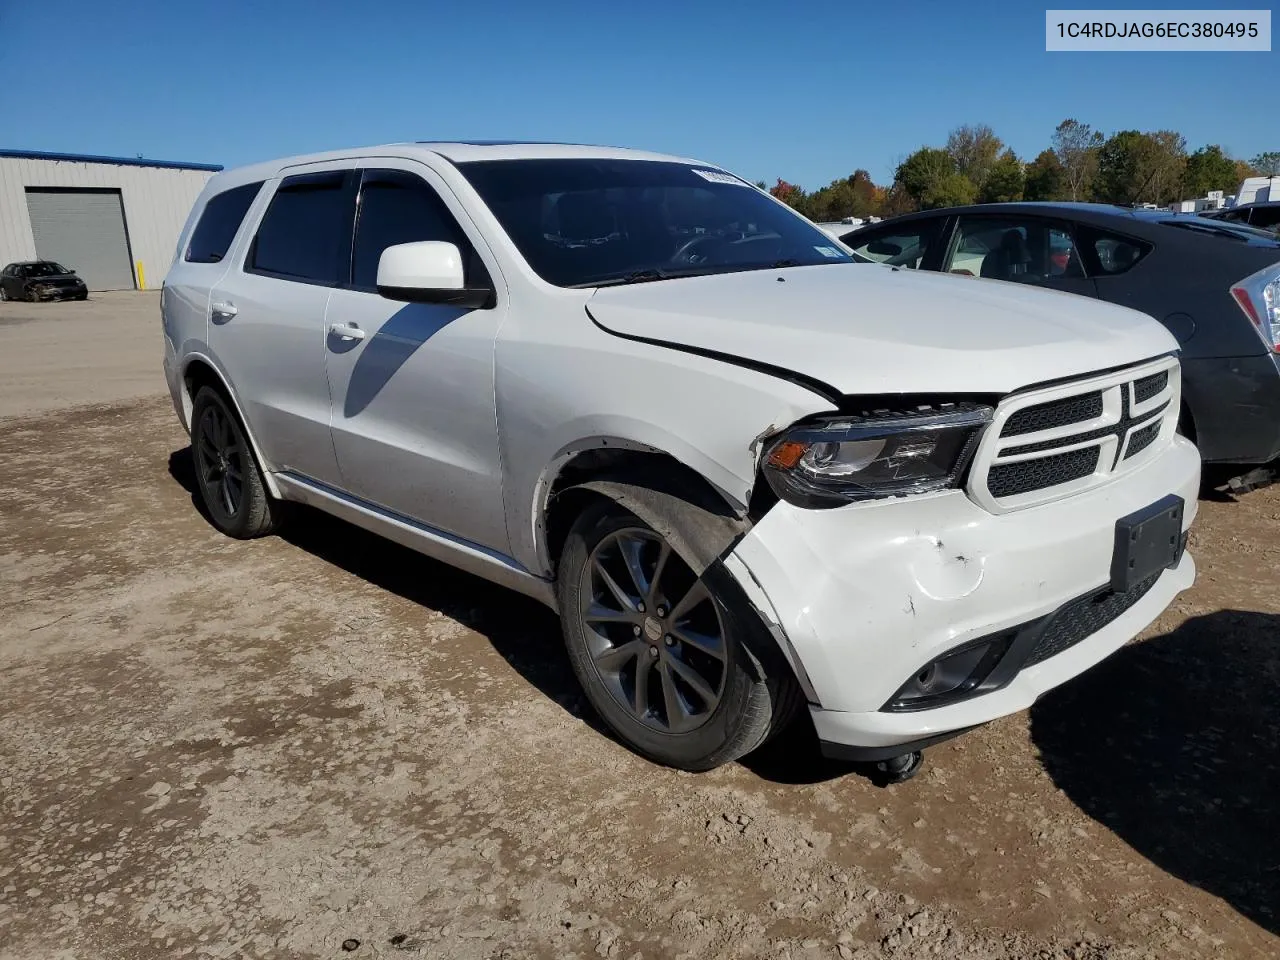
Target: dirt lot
(321,745)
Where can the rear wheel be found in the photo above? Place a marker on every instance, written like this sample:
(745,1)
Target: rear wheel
(227,473)
(669,659)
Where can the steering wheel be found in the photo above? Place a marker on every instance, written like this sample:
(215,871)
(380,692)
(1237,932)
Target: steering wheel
(688,251)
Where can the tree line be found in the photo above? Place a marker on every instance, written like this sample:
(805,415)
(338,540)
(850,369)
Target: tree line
(975,166)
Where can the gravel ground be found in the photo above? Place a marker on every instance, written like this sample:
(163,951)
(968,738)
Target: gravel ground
(322,745)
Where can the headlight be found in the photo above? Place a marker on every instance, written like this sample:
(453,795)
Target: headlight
(839,459)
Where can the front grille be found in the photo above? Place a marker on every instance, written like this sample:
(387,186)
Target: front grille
(1148,387)
(1141,439)
(1067,438)
(1024,476)
(1056,413)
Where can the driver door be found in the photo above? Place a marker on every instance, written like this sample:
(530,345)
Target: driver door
(411,385)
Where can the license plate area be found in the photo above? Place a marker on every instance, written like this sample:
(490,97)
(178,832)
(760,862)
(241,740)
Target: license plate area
(1146,543)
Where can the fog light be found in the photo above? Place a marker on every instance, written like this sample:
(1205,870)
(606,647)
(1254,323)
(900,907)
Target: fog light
(951,676)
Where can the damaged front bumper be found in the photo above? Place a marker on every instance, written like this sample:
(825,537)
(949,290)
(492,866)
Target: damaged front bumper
(863,597)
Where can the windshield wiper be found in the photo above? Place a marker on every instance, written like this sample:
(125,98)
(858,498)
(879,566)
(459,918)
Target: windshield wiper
(646,275)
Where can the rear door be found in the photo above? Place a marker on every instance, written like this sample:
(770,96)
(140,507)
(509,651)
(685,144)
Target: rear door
(200,263)
(412,386)
(267,316)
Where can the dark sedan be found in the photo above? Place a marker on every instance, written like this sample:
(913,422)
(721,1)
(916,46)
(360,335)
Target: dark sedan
(1264,214)
(41,280)
(1214,284)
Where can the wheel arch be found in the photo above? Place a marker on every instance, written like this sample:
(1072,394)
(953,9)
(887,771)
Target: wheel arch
(199,370)
(623,470)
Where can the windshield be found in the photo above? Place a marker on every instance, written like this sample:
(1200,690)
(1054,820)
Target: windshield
(591,222)
(45,269)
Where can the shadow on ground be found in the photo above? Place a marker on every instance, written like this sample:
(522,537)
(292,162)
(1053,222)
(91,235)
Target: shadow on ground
(524,632)
(1172,744)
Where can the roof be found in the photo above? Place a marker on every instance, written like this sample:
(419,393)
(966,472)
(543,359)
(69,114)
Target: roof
(465,151)
(114,161)
(453,151)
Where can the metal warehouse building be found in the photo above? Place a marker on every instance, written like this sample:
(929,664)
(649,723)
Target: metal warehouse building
(114,221)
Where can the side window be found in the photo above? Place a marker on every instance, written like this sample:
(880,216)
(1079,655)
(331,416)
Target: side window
(1268,218)
(222,216)
(398,207)
(305,235)
(1112,254)
(903,246)
(1021,250)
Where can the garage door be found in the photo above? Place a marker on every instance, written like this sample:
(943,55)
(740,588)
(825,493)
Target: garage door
(84,231)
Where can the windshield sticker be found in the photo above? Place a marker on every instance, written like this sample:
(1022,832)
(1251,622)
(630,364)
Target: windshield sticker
(831,252)
(719,176)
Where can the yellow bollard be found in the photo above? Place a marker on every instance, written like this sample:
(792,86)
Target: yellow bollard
(142,275)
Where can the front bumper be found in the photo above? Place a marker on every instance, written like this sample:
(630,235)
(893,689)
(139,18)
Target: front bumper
(862,597)
(61,293)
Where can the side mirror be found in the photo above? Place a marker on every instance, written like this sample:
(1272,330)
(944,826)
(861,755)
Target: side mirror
(428,271)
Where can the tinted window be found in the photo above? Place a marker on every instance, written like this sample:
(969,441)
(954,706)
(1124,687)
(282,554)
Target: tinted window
(903,246)
(397,207)
(1021,250)
(581,222)
(1114,254)
(222,217)
(306,232)
(1268,218)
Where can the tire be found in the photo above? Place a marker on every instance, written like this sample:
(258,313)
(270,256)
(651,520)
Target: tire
(754,693)
(4,294)
(227,473)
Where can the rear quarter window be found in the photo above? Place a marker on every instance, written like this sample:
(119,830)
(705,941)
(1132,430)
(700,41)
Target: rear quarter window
(222,216)
(1113,254)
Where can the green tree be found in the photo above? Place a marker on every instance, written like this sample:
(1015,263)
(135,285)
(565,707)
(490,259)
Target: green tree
(921,174)
(1136,167)
(953,190)
(1268,164)
(1209,169)
(1076,146)
(974,150)
(1045,178)
(1005,180)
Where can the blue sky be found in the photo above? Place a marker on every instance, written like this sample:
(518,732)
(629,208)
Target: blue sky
(798,90)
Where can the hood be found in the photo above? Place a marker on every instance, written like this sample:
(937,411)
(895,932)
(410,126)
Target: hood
(59,278)
(868,329)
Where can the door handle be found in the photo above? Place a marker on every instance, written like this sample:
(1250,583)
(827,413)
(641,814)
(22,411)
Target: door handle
(346,331)
(222,310)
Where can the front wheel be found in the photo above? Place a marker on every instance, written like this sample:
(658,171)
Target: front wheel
(227,473)
(665,655)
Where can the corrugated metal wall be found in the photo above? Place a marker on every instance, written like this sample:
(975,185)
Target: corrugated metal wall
(156,203)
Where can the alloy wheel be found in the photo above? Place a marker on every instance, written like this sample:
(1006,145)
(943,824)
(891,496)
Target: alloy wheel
(654,633)
(220,459)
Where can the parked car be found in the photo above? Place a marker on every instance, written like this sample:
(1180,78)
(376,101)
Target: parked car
(1264,215)
(1215,285)
(751,476)
(41,280)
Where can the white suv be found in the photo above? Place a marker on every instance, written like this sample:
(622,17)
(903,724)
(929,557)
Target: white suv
(749,473)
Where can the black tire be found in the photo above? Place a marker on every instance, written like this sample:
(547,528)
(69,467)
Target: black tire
(4,294)
(758,694)
(227,473)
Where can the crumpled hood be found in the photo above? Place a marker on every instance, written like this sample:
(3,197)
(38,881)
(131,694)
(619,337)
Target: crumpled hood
(866,329)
